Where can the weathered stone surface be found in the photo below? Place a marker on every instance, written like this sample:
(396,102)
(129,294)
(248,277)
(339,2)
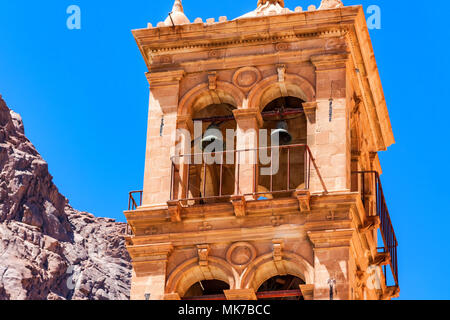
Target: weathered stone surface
(48,250)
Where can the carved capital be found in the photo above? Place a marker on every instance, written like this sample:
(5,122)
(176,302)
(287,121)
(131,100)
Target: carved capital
(240,206)
(185,122)
(212,79)
(391,293)
(310,109)
(372,223)
(307,291)
(172,296)
(278,246)
(174,211)
(304,199)
(240,294)
(165,78)
(203,254)
(248,114)
(325,62)
(382,259)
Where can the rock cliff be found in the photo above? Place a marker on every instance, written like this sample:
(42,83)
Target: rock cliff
(48,250)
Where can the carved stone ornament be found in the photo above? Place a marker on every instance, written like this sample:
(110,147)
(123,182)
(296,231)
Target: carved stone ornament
(241,254)
(245,78)
(167,59)
(283,46)
(215,54)
(330,4)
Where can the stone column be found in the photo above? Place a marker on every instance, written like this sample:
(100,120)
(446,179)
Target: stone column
(329,136)
(240,294)
(162,124)
(332,263)
(184,125)
(149,271)
(248,124)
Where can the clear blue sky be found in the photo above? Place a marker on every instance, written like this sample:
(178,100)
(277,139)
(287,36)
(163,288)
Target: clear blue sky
(83,96)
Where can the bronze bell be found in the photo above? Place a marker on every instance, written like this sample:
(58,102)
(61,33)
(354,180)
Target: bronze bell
(282,132)
(212,134)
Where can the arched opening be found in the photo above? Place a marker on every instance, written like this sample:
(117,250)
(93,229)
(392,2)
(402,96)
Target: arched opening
(282,170)
(212,175)
(281,288)
(206,288)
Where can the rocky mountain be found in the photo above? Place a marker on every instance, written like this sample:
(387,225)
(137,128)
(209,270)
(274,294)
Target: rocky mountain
(48,250)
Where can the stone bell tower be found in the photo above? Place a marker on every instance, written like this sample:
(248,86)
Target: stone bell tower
(299,219)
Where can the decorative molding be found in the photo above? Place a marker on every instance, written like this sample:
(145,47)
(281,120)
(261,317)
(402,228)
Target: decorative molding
(205,226)
(282,46)
(215,54)
(239,205)
(332,32)
(382,259)
(241,294)
(174,210)
(172,297)
(304,199)
(331,61)
(307,291)
(278,246)
(166,59)
(310,109)
(245,78)
(165,78)
(245,114)
(372,223)
(241,254)
(212,80)
(203,254)
(277,221)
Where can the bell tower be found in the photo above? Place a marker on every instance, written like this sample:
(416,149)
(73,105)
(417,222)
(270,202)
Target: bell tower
(262,176)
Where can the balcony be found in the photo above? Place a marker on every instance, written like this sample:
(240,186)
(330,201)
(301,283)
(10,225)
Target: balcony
(195,182)
(371,186)
(263,173)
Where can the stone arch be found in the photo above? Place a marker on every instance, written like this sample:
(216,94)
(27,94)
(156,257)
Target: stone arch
(201,96)
(264,268)
(190,272)
(270,89)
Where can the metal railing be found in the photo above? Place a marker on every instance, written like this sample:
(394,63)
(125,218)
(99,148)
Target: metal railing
(386,227)
(134,200)
(259,295)
(198,192)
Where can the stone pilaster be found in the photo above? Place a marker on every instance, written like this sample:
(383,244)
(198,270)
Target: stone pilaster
(248,124)
(162,124)
(328,137)
(149,271)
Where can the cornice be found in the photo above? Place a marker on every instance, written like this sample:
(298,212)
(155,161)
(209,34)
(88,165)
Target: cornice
(165,78)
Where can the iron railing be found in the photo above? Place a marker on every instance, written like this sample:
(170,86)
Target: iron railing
(259,295)
(283,152)
(134,200)
(386,227)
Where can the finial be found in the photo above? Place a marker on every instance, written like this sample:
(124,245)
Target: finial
(177,16)
(263,2)
(177,6)
(330,4)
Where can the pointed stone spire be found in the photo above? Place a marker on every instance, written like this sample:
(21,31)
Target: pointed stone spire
(330,4)
(177,6)
(177,16)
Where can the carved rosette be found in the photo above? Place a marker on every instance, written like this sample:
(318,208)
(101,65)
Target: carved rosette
(245,78)
(241,254)
(282,46)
